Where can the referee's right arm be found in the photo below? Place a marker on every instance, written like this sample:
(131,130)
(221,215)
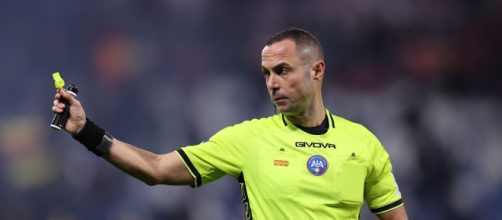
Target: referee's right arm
(148,167)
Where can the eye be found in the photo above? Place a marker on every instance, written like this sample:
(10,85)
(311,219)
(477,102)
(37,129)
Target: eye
(265,73)
(284,70)
(281,69)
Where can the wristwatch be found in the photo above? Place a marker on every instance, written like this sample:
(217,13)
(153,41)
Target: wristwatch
(103,148)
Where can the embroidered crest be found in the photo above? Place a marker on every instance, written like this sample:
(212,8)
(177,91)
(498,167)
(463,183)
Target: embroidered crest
(317,165)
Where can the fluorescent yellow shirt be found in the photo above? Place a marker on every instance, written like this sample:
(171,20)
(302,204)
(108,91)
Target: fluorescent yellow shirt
(287,173)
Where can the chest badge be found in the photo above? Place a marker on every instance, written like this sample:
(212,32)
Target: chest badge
(317,165)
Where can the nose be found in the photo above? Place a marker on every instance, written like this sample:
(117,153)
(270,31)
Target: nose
(272,83)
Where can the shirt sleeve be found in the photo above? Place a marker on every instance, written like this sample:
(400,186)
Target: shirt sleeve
(381,190)
(222,154)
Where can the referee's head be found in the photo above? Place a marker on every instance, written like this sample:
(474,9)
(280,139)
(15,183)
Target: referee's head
(308,47)
(293,66)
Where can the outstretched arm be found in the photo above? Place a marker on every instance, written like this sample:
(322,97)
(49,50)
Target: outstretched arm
(148,167)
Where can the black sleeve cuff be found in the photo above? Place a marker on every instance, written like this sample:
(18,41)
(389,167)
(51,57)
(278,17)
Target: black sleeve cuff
(191,167)
(388,207)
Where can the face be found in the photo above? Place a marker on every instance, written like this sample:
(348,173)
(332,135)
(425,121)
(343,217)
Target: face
(289,82)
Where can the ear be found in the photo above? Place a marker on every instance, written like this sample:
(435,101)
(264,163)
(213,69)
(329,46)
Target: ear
(318,69)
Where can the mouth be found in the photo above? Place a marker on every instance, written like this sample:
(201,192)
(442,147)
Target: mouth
(278,99)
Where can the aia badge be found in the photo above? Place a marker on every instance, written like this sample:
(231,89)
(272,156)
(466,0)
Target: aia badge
(317,165)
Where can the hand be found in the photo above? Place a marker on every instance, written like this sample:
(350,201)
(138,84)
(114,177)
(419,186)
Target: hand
(77,119)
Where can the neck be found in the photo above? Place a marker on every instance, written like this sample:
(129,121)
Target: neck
(310,117)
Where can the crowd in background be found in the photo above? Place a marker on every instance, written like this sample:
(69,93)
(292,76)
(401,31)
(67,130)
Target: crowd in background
(424,76)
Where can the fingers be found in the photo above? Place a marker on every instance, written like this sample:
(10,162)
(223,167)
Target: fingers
(59,106)
(56,109)
(63,94)
(67,96)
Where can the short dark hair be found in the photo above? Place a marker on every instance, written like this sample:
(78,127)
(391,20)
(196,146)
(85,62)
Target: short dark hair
(303,39)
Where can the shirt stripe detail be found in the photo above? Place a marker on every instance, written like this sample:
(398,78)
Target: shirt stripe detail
(245,197)
(332,121)
(284,121)
(198,178)
(387,207)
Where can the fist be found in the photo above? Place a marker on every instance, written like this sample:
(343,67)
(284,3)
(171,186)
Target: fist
(77,120)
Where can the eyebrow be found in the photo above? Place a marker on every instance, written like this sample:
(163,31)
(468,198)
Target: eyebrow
(276,67)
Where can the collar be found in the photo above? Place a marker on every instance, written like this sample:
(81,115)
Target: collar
(316,130)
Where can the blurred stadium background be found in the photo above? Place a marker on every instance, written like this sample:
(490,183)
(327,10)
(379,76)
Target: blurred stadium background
(424,76)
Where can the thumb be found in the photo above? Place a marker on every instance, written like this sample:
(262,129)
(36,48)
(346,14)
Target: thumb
(67,96)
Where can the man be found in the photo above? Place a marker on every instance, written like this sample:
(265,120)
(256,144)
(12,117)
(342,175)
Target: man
(304,163)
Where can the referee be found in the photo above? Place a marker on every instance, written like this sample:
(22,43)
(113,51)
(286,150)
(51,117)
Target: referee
(303,163)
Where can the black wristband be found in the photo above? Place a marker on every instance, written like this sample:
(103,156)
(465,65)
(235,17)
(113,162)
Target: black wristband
(94,138)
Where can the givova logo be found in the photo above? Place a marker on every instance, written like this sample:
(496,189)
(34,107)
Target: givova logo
(317,165)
